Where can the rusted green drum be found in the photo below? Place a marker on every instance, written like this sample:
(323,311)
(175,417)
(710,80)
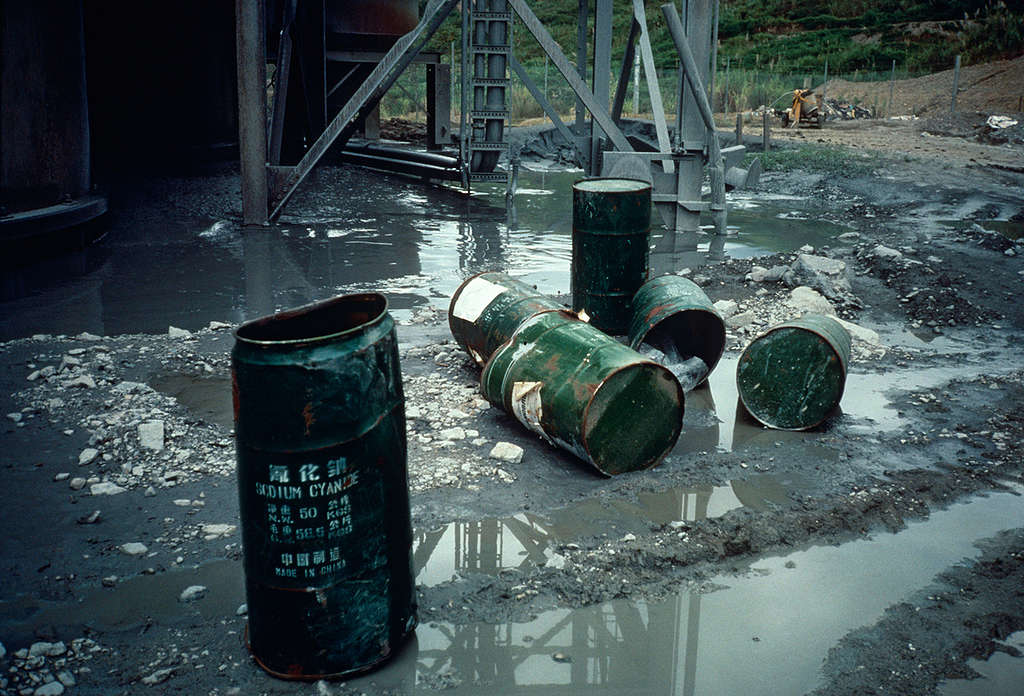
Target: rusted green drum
(611,229)
(675,316)
(488,308)
(587,393)
(323,488)
(792,376)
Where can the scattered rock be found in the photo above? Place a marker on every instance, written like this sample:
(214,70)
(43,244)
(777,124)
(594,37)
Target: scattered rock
(726,308)
(738,321)
(54,688)
(455,433)
(883,252)
(87,456)
(827,276)
(242,610)
(109,581)
(192,593)
(805,299)
(849,236)
(218,325)
(507,452)
(91,518)
(158,677)
(213,531)
(16,417)
(106,488)
(151,435)
(133,548)
(85,381)
(175,332)
(62,476)
(861,333)
(45,649)
(77,483)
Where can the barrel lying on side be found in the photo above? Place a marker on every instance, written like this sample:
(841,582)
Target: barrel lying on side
(611,231)
(488,308)
(585,392)
(323,487)
(675,316)
(792,376)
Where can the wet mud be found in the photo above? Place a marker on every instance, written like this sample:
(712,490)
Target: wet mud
(883,548)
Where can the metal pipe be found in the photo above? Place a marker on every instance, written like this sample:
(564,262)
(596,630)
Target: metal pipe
(252,109)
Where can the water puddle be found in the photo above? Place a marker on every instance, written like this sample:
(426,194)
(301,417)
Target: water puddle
(493,545)
(1001,674)
(207,397)
(764,633)
(355,231)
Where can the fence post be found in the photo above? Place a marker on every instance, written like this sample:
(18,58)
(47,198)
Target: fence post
(824,84)
(767,133)
(956,83)
(892,87)
(739,128)
(725,100)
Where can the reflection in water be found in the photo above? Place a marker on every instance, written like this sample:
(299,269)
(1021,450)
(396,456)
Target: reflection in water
(186,265)
(526,539)
(765,633)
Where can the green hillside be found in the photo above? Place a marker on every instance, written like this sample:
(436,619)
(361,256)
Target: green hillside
(794,36)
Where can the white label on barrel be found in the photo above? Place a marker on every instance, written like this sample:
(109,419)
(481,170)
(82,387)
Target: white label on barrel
(475,296)
(526,406)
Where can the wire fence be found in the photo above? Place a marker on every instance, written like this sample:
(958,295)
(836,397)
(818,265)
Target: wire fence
(733,90)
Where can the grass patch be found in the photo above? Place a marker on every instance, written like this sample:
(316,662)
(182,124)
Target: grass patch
(818,159)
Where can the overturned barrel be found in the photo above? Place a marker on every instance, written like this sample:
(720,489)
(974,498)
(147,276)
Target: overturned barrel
(587,393)
(792,376)
(322,484)
(675,316)
(488,308)
(611,229)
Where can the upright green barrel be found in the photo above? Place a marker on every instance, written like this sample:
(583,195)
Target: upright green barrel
(585,392)
(674,315)
(792,376)
(611,230)
(488,308)
(323,487)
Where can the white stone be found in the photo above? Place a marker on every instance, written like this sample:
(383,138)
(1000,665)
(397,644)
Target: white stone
(507,452)
(455,433)
(3,651)
(412,412)
(883,252)
(62,476)
(105,488)
(45,649)
(175,332)
(34,375)
(158,677)
(133,548)
(86,336)
(821,264)
(182,502)
(848,236)
(149,492)
(84,381)
(629,537)
(726,308)
(217,325)
(151,435)
(87,456)
(192,592)
(16,417)
(805,299)
(861,333)
(77,483)
(738,321)
(66,678)
(212,531)
(54,688)
(242,610)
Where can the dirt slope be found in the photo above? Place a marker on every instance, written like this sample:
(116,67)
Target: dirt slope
(989,87)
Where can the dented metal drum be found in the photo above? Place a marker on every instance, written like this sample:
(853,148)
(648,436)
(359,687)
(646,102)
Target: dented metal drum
(675,316)
(792,376)
(587,393)
(488,308)
(611,229)
(323,491)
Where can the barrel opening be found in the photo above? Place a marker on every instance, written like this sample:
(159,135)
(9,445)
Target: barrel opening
(319,320)
(605,185)
(688,334)
(633,419)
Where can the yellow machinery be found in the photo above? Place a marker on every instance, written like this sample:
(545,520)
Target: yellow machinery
(806,109)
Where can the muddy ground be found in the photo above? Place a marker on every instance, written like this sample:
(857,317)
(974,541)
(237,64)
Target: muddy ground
(118,464)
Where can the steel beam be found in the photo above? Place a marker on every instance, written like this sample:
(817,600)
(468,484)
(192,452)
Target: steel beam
(653,89)
(553,50)
(281,77)
(365,98)
(717,169)
(550,110)
(252,109)
(582,10)
(602,74)
(628,58)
